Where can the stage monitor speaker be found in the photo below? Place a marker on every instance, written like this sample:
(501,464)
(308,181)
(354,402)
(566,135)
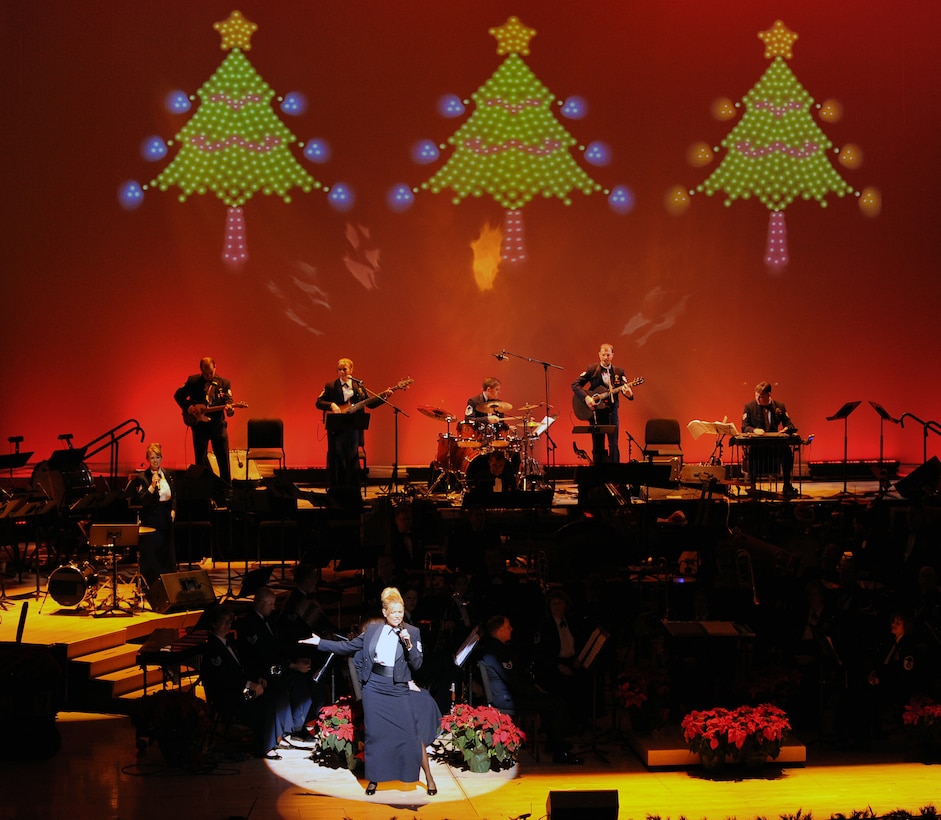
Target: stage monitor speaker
(181,591)
(920,481)
(583,805)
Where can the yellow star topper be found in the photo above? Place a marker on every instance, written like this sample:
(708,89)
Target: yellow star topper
(236,31)
(778,41)
(513,37)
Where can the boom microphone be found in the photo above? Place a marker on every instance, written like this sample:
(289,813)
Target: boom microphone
(354,379)
(500,356)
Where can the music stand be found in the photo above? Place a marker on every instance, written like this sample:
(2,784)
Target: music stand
(844,413)
(113,537)
(13,461)
(719,429)
(883,418)
(464,652)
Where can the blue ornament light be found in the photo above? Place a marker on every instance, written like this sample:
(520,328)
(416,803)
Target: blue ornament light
(575,108)
(177,102)
(400,198)
(294,103)
(341,197)
(153,149)
(317,150)
(425,152)
(598,153)
(621,200)
(130,195)
(450,106)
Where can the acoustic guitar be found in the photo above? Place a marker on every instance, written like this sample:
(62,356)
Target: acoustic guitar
(200,412)
(603,397)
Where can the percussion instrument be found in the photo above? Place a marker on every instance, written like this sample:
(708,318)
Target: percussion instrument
(69,585)
(494,407)
(448,455)
(469,435)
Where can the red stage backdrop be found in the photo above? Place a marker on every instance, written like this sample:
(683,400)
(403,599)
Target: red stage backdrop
(107,307)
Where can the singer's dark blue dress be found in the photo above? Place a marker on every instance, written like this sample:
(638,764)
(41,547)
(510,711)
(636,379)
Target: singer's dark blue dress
(393,745)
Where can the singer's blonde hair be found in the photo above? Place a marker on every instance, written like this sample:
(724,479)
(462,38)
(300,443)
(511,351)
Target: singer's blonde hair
(154,448)
(391,595)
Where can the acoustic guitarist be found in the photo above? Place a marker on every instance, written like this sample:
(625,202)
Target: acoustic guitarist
(206,401)
(345,394)
(598,390)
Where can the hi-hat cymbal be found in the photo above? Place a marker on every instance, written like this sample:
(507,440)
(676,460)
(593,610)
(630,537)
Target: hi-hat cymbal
(435,413)
(527,407)
(494,407)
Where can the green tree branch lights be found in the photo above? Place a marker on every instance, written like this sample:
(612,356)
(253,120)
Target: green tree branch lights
(777,152)
(235,145)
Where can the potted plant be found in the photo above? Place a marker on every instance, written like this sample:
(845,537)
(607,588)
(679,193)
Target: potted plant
(922,716)
(482,734)
(747,734)
(340,733)
(646,698)
(178,722)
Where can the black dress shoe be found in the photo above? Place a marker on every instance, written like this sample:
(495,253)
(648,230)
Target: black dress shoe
(272,755)
(432,791)
(567,759)
(371,788)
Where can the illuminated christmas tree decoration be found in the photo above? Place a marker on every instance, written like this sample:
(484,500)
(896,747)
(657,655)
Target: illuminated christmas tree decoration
(341,198)
(621,199)
(425,152)
(777,153)
(294,104)
(851,156)
(400,198)
(317,150)
(513,248)
(598,153)
(236,32)
(153,149)
(870,202)
(235,145)
(512,147)
(676,200)
(831,111)
(130,195)
(723,109)
(575,108)
(699,154)
(451,106)
(177,102)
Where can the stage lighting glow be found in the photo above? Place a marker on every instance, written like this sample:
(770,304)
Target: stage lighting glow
(723,109)
(621,199)
(130,195)
(153,149)
(294,104)
(425,152)
(317,150)
(235,145)
(450,106)
(177,102)
(575,108)
(400,198)
(598,153)
(341,197)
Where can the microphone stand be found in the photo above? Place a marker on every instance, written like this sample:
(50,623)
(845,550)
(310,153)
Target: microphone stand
(933,426)
(393,488)
(550,444)
(631,441)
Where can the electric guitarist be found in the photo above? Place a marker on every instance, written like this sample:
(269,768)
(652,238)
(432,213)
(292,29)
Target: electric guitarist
(206,401)
(598,390)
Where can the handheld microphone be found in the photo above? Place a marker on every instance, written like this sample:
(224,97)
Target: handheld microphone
(500,356)
(404,637)
(354,379)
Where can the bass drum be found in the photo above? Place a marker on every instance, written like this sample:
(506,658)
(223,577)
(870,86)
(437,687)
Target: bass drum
(70,584)
(448,455)
(62,486)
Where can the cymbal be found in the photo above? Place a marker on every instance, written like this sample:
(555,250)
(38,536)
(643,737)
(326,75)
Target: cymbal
(531,424)
(527,407)
(435,413)
(494,407)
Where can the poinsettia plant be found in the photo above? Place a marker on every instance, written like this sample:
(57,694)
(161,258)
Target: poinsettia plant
(339,728)
(477,729)
(734,732)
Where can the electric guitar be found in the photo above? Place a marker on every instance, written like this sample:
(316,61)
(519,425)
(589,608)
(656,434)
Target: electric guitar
(603,397)
(403,384)
(200,412)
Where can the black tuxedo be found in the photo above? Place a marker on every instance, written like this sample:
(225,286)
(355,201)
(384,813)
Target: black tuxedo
(590,381)
(363,648)
(771,418)
(213,393)
(343,445)
(155,550)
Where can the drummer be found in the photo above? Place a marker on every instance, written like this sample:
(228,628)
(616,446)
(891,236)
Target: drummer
(486,407)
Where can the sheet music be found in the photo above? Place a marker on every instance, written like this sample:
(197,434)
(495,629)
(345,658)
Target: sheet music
(592,647)
(698,428)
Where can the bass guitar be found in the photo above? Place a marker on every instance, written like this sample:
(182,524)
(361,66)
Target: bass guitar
(403,384)
(603,399)
(200,412)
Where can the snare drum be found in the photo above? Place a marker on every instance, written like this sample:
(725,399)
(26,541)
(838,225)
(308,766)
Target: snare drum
(469,435)
(448,455)
(70,584)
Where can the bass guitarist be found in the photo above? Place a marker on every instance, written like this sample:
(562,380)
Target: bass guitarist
(206,400)
(599,388)
(341,396)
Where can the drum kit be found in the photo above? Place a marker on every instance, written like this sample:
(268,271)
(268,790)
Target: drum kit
(462,457)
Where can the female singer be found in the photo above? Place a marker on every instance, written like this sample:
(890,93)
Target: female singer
(153,489)
(386,654)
